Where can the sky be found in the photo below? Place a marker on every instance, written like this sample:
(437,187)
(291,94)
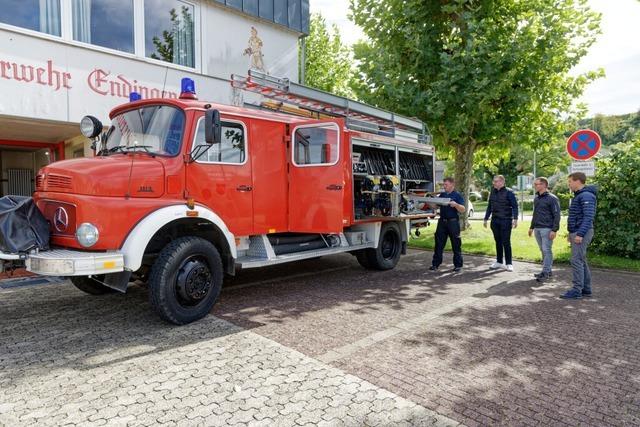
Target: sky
(617,51)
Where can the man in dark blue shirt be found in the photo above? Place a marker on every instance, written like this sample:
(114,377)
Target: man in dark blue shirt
(449,227)
(503,210)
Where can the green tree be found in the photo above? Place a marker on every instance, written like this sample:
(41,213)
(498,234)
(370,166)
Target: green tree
(484,74)
(328,64)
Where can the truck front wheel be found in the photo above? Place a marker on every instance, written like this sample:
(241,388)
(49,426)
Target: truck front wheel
(185,280)
(387,254)
(89,285)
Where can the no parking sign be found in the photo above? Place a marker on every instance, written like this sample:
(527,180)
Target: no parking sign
(584,144)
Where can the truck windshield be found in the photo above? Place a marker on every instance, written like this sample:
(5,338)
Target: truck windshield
(155,129)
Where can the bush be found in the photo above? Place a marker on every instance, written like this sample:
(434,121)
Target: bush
(561,187)
(617,229)
(564,199)
(527,205)
(485,194)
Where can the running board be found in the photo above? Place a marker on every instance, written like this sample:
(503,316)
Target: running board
(261,261)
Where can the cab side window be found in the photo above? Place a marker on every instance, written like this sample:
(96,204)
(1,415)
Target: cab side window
(232,149)
(317,145)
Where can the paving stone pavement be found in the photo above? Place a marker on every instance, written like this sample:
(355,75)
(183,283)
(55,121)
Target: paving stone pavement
(67,359)
(324,342)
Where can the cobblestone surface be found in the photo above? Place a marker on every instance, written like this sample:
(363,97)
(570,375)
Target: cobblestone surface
(70,359)
(482,347)
(326,343)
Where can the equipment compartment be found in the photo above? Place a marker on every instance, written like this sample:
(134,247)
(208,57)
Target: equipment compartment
(416,171)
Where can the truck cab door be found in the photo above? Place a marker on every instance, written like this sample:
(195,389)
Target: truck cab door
(316,177)
(222,178)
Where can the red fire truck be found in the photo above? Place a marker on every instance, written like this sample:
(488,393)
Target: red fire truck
(181,192)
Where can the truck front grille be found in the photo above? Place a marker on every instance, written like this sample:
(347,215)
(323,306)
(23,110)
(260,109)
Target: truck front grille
(57,182)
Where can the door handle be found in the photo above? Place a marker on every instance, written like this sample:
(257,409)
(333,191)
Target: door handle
(334,187)
(244,188)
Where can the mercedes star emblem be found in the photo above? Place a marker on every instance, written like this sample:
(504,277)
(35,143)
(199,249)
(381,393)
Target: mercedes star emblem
(61,220)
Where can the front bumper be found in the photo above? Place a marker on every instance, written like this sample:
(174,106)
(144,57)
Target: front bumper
(64,262)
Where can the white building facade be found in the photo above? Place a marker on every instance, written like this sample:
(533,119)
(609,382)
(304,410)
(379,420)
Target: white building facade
(63,59)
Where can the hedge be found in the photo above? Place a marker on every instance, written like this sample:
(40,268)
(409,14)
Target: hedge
(617,227)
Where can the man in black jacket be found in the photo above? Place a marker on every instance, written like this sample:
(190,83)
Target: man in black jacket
(503,210)
(545,224)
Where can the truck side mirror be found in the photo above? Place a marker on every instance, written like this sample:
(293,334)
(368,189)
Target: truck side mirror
(212,127)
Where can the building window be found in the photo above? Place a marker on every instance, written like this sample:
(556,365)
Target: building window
(107,23)
(38,15)
(316,145)
(232,148)
(169,31)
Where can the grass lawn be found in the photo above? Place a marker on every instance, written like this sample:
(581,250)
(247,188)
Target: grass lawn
(479,240)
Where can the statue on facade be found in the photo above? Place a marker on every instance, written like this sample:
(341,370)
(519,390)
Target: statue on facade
(254,50)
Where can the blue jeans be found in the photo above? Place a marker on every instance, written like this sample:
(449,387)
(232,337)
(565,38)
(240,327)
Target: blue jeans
(581,271)
(545,244)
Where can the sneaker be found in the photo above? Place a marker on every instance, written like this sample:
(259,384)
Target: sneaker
(457,269)
(571,294)
(496,265)
(433,268)
(549,274)
(509,267)
(588,294)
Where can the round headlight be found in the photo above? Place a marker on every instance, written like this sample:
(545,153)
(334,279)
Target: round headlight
(87,234)
(90,126)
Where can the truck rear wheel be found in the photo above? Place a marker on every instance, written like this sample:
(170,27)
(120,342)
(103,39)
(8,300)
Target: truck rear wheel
(185,280)
(387,254)
(89,285)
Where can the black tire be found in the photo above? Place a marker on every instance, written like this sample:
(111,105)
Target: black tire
(185,280)
(363,258)
(88,285)
(387,254)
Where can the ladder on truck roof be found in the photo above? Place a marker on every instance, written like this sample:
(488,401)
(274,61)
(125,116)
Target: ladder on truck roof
(312,102)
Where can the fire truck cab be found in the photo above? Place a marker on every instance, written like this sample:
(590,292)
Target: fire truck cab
(181,192)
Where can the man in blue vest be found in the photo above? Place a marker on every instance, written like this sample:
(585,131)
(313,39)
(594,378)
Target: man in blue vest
(449,227)
(503,210)
(580,225)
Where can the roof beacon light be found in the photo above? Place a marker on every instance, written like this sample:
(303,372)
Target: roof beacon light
(134,96)
(188,89)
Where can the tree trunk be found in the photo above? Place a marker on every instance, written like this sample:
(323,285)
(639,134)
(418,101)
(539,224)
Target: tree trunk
(464,168)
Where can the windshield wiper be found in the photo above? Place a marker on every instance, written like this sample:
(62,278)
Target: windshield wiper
(135,147)
(125,149)
(121,148)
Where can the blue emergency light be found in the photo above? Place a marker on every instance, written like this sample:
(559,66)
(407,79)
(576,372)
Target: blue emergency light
(188,85)
(134,96)
(188,89)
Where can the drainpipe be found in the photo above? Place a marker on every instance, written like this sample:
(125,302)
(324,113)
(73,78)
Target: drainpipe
(303,59)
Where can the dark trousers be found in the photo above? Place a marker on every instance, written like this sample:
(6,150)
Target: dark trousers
(502,235)
(448,228)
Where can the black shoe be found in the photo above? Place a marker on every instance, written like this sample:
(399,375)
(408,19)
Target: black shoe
(433,268)
(587,294)
(457,269)
(549,274)
(542,277)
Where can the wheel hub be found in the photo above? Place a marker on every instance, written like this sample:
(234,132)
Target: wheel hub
(194,281)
